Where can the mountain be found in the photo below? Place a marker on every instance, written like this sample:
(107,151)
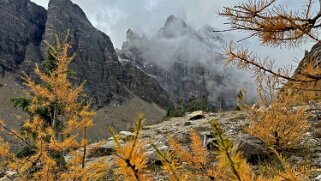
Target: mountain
(22,24)
(26,26)
(96,62)
(186,63)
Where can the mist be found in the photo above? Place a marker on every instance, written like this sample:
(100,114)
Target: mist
(114,17)
(199,51)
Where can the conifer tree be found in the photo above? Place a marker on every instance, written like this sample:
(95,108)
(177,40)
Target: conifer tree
(54,138)
(46,113)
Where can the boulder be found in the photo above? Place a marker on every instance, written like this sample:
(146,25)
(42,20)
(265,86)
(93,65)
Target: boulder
(318,178)
(104,149)
(152,155)
(209,140)
(126,135)
(195,115)
(252,148)
(9,176)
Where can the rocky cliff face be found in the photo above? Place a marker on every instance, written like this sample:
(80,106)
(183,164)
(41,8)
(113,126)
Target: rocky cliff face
(22,24)
(25,28)
(312,57)
(186,63)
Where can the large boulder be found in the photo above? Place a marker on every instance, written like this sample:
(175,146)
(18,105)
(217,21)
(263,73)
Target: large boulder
(251,148)
(195,115)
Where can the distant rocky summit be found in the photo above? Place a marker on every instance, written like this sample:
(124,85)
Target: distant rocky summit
(185,62)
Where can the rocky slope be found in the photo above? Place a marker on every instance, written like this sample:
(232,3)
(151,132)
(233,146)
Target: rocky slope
(232,123)
(307,152)
(312,57)
(186,63)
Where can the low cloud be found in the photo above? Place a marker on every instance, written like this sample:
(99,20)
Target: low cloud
(114,17)
(199,52)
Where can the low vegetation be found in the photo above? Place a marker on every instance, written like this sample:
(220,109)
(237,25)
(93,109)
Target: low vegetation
(191,105)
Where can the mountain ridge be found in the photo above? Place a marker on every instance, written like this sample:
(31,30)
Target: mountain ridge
(96,60)
(186,63)
(108,82)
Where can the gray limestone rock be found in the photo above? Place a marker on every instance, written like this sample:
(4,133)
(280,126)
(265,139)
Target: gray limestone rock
(195,115)
(21,23)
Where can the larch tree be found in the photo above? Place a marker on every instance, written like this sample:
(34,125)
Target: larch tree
(48,142)
(274,119)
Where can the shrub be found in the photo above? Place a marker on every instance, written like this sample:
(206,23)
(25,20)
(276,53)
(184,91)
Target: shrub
(277,119)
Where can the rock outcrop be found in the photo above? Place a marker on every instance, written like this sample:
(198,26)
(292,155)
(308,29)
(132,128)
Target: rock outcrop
(232,123)
(312,57)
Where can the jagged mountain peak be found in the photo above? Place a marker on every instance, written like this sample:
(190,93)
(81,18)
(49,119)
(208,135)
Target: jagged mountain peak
(96,61)
(175,27)
(174,20)
(185,62)
(69,10)
(131,35)
(129,32)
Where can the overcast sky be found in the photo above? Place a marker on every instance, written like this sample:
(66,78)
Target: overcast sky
(114,17)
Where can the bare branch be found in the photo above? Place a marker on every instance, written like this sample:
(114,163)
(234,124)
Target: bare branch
(10,132)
